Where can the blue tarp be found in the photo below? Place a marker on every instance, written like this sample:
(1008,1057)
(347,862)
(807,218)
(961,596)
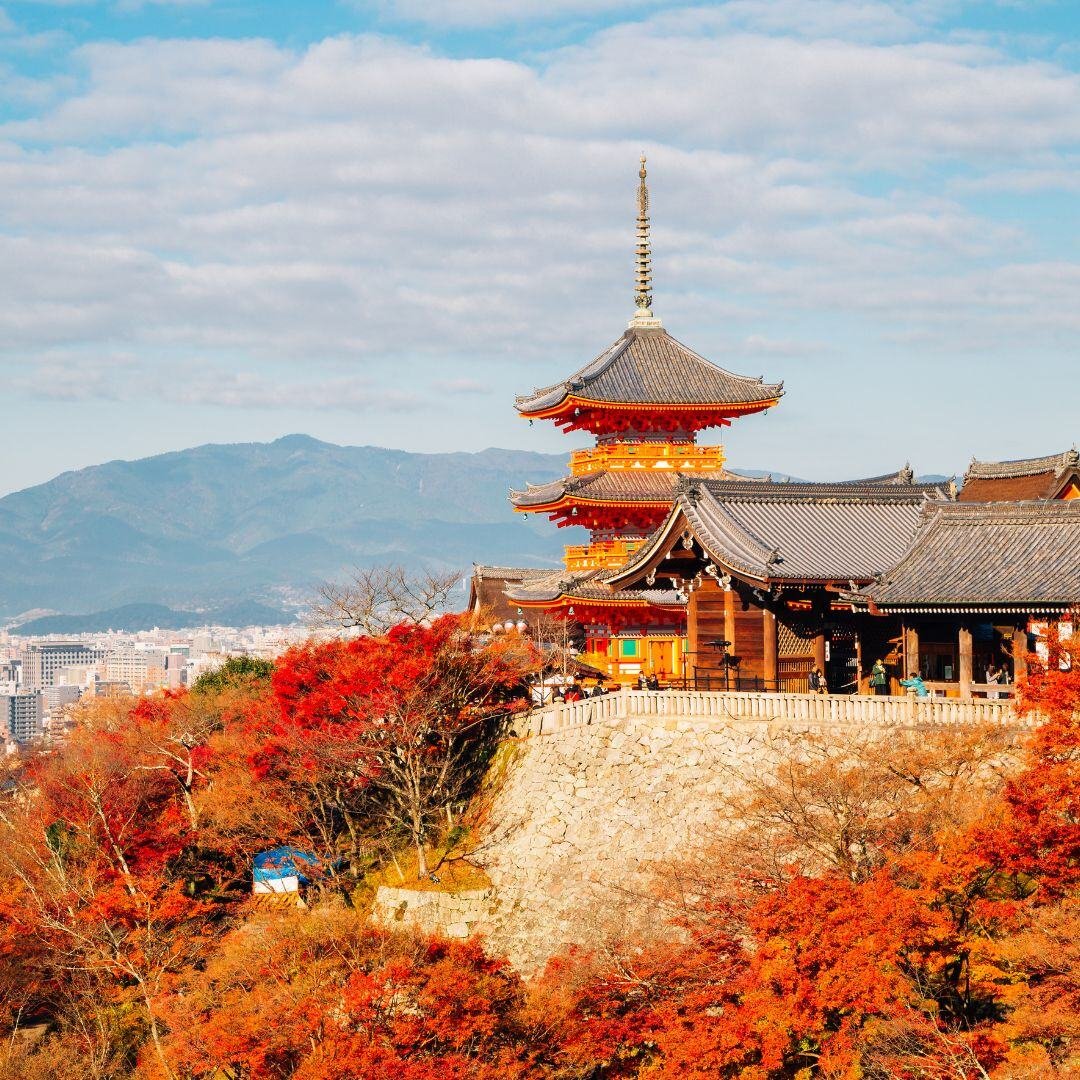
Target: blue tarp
(283,862)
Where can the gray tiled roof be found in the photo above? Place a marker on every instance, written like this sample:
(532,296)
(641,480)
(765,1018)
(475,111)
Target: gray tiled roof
(816,532)
(658,485)
(584,586)
(649,365)
(1004,470)
(989,555)
(645,485)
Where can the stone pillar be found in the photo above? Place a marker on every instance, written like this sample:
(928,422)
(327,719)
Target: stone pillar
(1020,652)
(966,663)
(771,662)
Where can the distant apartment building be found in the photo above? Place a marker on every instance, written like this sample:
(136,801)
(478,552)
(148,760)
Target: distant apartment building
(141,669)
(43,660)
(58,697)
(22,715)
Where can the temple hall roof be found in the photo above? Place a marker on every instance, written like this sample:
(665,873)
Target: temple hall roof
(487,591)
(777,532)
(648,365)
(1019,480)
(987,556)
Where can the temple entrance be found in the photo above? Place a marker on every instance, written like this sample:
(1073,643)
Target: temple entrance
(842,662)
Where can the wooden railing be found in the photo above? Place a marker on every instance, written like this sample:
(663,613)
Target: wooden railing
(686,457)
(720,707)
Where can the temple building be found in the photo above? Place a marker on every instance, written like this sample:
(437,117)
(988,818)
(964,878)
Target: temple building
(710,579)
(645,399)
(1053,477)
(765,569)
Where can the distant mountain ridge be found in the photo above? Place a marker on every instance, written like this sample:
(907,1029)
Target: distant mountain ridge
(219,524)
(133,617)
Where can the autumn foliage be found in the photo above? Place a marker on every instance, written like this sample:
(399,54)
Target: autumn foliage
(907,910)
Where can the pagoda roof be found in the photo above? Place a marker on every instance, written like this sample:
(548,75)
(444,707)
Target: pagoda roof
(793,531)
(648,366)
(659,485)
(990,557)
(587,586)
(1019,480)
(617,486)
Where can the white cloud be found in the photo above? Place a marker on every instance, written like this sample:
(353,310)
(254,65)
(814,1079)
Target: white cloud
(347,226)
(473,13)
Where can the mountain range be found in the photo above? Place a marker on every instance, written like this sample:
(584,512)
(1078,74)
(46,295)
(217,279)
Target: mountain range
(217,525)
(247,531)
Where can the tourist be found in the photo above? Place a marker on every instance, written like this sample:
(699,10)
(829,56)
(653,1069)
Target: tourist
(643,681)
(914,685)
(818,685)
(879,678)
(599,690)
(993,678)
(652,683)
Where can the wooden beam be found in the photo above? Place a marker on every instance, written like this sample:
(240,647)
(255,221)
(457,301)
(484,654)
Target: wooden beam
(967,669)
(771,645)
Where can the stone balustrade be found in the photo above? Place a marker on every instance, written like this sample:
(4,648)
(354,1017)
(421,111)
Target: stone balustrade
(721,706)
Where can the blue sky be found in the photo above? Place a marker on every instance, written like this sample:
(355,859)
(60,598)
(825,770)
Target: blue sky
(375,221)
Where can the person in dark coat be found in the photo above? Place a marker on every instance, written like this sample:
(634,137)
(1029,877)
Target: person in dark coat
(879,678)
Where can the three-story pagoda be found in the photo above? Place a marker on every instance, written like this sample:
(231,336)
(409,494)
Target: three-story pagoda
(645,398)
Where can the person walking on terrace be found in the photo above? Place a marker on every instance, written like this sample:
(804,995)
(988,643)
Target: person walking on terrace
(818,685)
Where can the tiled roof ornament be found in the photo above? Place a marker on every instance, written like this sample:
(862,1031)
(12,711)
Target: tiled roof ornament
(952,489)
(643,316)
(907,474)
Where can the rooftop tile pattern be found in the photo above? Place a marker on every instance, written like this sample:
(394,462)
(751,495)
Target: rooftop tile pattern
(1001,470)
(989,555)
(809,532)
(650,366)
(626,485)
(585,586)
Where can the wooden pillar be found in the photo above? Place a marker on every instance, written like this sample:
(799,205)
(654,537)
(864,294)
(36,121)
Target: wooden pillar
(1020,652)
(729,620)
(819,650)
(966,663)
(911,651)
(859,688)
(771,663)
(692,633)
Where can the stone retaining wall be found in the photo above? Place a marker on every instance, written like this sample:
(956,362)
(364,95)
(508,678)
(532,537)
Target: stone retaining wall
(457,915)
(588,814)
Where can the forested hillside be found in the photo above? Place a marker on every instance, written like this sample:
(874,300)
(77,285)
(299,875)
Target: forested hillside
(260,521)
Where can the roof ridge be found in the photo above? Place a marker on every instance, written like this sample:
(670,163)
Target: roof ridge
(734,374)
(1015,468)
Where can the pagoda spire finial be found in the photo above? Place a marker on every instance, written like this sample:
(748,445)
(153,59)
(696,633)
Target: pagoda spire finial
(643,316)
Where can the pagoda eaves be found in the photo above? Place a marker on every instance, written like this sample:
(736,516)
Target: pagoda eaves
(649,381)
